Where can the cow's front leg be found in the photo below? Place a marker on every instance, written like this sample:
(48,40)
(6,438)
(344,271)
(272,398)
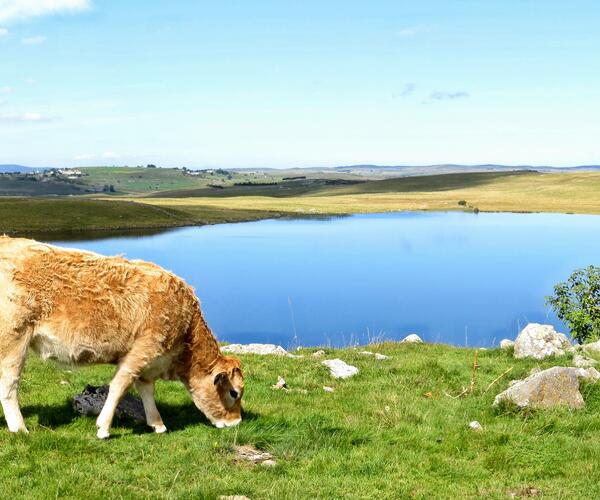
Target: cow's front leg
(13,352)
(153,418)
(118,386)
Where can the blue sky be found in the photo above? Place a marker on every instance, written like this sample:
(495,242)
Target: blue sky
(284,83)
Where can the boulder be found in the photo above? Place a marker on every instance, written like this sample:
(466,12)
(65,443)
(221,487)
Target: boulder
(583,362)
(340,369)
(413,338)
(540,341)
(593,347)
(262,349)
(556,386)
(318,354)
(506,343)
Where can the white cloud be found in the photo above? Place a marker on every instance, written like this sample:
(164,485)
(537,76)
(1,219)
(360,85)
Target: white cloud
(84,156)
(109,155)
(3,32)
(25,117)
(5,90)
(408,89)
(33,40)
(413,30)
(23,9)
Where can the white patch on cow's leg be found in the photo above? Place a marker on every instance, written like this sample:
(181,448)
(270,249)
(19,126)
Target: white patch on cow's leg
(153,418)
(118,386)
(11,366)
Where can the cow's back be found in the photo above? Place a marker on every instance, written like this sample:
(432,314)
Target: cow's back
(83,307)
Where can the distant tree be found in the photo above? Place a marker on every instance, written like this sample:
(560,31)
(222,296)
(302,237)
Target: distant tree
(577,303)
(150,165)
(462,203)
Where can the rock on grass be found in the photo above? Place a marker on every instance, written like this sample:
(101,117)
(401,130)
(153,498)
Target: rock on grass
(540,341)
(557,386)
(340,369)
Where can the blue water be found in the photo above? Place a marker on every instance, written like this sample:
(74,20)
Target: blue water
(460,278)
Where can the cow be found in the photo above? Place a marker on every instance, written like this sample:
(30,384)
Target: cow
(82,308)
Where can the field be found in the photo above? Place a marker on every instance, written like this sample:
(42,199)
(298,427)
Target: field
(64,215)
(392,431)
(488,192)
(165,198)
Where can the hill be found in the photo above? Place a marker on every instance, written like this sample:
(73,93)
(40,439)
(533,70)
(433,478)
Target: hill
(11,168)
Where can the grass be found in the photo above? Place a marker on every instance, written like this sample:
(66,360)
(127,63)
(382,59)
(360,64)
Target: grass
(54,215)
(389,432)
(490,192)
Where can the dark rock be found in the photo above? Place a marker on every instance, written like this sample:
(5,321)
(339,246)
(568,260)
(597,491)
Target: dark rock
(92,399)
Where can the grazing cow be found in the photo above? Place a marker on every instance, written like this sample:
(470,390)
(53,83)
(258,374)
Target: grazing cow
(80,307)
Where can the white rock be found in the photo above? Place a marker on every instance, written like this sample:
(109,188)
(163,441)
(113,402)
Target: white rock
(280,383)
(413,338)
(475,426)
(318,354)
(506,343)
(340,369)
(375,354)
(556,386)
(328,389)
(540,341)
(591,347)
(583,362)
(262,349)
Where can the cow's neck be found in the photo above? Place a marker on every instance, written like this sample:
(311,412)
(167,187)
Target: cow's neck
(201,350)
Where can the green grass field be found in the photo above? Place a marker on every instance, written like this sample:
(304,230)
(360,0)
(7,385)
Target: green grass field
(56,215)
(390,432)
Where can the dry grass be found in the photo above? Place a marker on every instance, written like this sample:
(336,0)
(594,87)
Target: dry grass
(531,192)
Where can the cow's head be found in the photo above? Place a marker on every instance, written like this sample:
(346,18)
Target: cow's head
(218,392)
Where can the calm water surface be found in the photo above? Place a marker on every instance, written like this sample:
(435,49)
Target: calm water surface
(450,277)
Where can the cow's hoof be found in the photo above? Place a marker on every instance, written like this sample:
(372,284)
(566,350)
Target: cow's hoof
(21,429)
(160,429)
(103,434)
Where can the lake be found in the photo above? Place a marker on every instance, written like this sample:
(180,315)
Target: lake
(460,278)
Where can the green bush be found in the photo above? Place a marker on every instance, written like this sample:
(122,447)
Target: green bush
(577,303)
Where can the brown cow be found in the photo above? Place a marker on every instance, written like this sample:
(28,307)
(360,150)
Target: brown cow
(80,307)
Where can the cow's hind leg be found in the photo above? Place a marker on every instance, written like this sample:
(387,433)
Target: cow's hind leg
(128,371)
(153,418)
(13,350)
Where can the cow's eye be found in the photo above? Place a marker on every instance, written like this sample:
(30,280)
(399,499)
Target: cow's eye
(233,394)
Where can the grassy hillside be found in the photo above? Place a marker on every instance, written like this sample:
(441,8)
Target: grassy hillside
(513,192)
(393,431)
(26,215)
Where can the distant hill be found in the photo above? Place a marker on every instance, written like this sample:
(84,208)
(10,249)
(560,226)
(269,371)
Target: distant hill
(20,169)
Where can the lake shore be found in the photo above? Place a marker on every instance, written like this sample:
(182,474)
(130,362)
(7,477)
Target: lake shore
(519,192)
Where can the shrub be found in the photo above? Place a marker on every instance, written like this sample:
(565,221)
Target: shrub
(577,303)
(462,203)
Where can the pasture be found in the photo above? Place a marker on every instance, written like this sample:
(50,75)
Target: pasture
(395,430)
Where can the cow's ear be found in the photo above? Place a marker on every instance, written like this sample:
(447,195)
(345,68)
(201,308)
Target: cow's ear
(220,378)
(236,371)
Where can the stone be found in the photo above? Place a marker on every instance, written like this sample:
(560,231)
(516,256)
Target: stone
(593,347)
(583,362)
(340,369)
(376,355)
(506,343)
(318,354)
(233,497)
(475,426)
(261,349)
(556,386)
(92,399)
(250,454)
(540,341)
(280,384)
(328,389)
(413,338)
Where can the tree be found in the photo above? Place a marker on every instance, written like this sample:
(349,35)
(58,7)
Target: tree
(577,303)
